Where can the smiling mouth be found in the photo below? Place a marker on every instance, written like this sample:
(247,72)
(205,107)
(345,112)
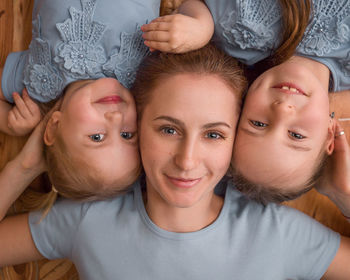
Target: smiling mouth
(184,183)
(113,99)
(290,89)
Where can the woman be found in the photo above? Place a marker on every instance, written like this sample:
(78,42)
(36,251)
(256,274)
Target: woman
(276,157)
(182,219)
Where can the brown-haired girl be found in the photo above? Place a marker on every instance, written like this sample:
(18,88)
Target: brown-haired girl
(84,55)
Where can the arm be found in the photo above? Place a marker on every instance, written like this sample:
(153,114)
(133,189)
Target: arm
(16,243)
(335,182)
(340,266)
(190,29)
(22,170)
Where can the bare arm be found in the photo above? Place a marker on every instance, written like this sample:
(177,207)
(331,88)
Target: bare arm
(190,29)
(340,266)
(16,243)
(22,170)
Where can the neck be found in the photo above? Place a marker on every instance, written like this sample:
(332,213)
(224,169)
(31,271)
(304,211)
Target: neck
(320,71)
(182,219)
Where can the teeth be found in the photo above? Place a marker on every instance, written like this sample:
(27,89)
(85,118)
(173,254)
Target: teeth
(290,89)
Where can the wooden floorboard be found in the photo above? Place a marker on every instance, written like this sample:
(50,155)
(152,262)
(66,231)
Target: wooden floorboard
(15,35)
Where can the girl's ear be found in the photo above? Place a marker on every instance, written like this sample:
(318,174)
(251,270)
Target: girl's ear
(51,128)
(330,137)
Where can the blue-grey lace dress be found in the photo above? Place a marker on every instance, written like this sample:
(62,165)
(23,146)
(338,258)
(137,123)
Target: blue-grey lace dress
(250,30)
(79,39)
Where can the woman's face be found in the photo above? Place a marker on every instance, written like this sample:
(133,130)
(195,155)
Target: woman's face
(186,137)
(283,128)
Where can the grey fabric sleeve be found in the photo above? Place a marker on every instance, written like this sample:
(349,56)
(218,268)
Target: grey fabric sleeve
(12,75)
(54,236)
(309,247)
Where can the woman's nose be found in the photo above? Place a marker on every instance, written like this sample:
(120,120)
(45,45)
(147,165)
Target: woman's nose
(187,156)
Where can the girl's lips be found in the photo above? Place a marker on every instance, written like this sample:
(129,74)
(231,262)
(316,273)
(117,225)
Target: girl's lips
(113,99)
(184,183)
(290,88)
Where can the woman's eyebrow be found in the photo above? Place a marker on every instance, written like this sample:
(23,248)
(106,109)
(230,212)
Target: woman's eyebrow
(180,123)
(170,119)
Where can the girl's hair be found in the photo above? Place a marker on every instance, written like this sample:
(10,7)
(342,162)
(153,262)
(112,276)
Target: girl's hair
(267,194)
(206,61)
(295,18)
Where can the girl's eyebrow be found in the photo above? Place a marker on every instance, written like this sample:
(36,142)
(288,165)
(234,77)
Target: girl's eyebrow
(180,123)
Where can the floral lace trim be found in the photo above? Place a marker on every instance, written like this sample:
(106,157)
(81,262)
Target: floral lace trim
(328,30)
(80,55)
(39,75)
(123,63)
(250,25)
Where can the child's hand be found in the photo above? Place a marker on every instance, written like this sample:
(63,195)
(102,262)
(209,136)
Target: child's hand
(24,116)
(174,33)
(335,182)
(31,157)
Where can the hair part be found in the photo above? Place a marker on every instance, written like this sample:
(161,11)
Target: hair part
(206,61)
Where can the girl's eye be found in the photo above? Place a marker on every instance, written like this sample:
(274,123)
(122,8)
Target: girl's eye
(97,137)
(258,124)
(168,130)
(126,135)
(296,135)
(214,135)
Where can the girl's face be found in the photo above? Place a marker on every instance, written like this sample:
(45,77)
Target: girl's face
(97,123)
(284,127)
(186,137)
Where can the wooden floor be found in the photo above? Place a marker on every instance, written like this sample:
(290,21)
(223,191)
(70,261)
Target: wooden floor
(15,34)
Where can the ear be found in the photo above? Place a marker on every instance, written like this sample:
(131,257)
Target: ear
(330,137)
(52,128)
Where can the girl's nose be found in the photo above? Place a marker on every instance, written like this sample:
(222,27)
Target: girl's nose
(115,118)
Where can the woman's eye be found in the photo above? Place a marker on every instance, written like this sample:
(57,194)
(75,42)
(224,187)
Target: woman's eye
(258,124)
(214,135)
(97,137)
(296,135)
(168,130)
(126,135)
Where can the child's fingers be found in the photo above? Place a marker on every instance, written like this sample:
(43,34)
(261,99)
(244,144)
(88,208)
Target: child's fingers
(159,36)
(160,46)
(20,106)
(17,113)
(340,142)
(31,105)
(156,26)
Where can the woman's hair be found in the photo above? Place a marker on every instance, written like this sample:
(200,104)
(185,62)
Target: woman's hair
(206,61)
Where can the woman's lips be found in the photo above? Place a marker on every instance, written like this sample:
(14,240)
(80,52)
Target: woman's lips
(290,88)
(113,99)
(184,183)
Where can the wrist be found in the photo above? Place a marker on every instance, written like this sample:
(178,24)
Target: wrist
(23,165)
